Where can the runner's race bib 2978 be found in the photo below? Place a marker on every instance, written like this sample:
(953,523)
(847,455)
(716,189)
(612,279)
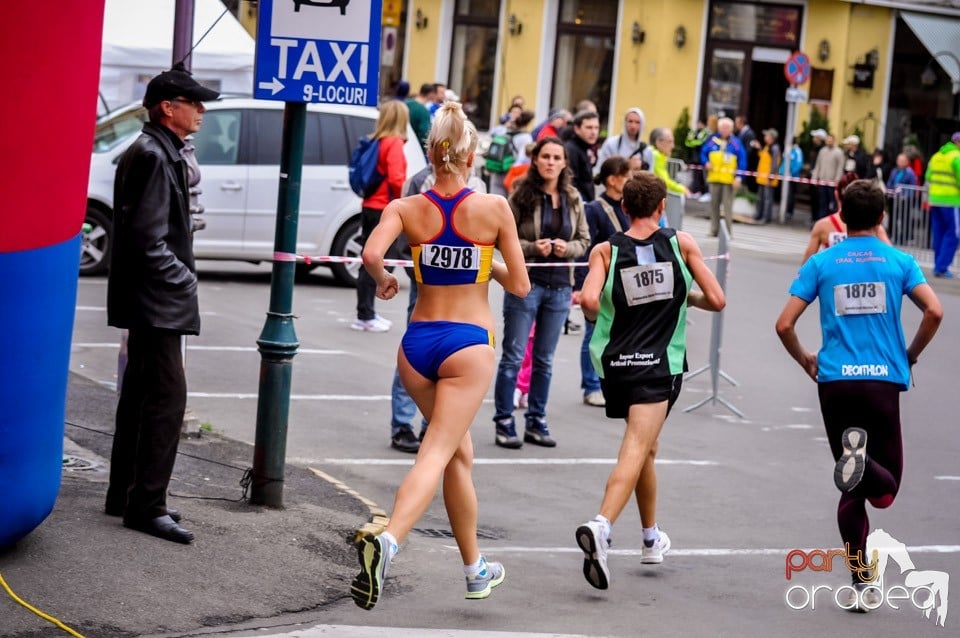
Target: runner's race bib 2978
(646,283)
(450,257)
(864,298)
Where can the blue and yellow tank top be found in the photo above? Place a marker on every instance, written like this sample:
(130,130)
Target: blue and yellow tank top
(449,258)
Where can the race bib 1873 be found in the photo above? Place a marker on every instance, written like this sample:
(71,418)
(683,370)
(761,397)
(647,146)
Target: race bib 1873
(865,298)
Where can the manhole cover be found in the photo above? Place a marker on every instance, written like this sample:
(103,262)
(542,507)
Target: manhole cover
(77,464)
(433,532)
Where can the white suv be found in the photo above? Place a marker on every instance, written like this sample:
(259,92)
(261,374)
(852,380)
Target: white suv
(238,148)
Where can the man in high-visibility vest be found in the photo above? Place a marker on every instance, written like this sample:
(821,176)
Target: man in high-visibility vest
(943,179)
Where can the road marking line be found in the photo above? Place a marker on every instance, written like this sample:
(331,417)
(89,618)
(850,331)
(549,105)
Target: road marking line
(496,461)
(92,308)
(212,348)
(378,516)
(349,631)
(947,478)
(493,549)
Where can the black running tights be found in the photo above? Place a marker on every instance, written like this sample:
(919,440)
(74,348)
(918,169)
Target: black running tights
(875,407)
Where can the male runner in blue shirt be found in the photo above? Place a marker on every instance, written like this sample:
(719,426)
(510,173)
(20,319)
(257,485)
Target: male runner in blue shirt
(864,362)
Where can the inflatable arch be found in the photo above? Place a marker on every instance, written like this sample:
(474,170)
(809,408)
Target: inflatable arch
(52,55)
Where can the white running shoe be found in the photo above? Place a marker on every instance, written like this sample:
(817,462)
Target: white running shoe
(377,324)
(652,554)
(595,544)
(852,463)
(482,583)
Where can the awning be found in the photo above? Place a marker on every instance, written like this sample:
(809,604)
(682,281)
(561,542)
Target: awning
(938,34)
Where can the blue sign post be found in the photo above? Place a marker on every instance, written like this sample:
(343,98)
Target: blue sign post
(324,51)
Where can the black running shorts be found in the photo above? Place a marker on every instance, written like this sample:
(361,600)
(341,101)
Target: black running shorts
(620,396)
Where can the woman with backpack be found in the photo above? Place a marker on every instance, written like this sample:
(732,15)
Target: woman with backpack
(391,134)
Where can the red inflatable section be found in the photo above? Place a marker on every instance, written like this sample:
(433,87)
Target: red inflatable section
(51,54)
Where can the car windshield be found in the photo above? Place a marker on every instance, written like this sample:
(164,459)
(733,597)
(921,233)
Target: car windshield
(113,128)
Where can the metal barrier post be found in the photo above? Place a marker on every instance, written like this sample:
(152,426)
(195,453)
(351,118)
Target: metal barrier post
(674,210)
(716,334)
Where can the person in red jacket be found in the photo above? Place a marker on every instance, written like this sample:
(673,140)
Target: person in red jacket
(391,130)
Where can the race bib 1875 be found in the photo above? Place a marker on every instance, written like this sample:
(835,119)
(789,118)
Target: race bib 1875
(650,282)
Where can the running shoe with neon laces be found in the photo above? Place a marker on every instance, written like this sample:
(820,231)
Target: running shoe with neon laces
(374,562)
(482,583)
(595,544)
(851,464)
(653,551)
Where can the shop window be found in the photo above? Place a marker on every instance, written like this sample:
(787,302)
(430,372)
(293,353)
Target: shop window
(473,57)
(583,67)
(757,23)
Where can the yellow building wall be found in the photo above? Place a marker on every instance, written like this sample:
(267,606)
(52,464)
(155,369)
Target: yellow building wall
(521,64)
(852,31)
(862,108)
(657,76)
(424,43)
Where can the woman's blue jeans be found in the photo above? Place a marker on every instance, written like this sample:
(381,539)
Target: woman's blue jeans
(549,307)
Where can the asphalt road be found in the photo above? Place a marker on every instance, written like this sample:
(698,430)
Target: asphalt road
(736,495)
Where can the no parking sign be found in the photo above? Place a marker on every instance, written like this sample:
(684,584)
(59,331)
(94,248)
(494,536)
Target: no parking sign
(797,68)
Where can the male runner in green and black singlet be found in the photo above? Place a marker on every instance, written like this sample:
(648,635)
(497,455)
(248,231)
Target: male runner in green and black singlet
(637,291)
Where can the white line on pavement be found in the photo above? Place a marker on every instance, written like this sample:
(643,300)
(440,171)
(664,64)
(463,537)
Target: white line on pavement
(708,552)
(92,308)
(213,348)
(346,631)
(495,461)
(947,478)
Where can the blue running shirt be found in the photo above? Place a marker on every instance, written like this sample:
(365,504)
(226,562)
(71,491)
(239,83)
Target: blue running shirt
(860,283)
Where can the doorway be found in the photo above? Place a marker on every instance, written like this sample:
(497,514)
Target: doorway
(767,106)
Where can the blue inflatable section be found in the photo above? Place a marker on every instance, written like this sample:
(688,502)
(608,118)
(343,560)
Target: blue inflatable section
(39,293)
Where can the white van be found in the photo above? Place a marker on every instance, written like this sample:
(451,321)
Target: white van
(238,148)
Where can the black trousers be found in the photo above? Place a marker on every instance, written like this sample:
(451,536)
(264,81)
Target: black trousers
(153,398)
(366,286)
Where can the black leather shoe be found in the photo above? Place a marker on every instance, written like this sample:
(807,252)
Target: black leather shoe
(172,513)
(162,527)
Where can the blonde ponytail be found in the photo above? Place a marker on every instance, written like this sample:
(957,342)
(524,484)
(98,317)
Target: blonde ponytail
(452,139)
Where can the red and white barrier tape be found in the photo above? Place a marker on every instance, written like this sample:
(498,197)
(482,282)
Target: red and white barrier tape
(805,180)
(407,263)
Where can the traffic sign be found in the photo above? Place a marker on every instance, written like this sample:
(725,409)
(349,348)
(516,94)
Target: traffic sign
(796,95)
(797,68)
(318,51)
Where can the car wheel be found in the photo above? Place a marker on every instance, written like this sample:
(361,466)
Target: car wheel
(347,244)
(95,243)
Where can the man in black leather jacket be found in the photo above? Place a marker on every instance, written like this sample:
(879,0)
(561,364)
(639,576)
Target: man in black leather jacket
(152,292)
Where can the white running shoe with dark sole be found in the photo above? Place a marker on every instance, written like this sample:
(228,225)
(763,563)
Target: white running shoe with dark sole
(853,461)
(591,540)
(653,554)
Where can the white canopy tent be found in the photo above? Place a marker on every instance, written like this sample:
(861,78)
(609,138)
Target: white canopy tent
(138,44)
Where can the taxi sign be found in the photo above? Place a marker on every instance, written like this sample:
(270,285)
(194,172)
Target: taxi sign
(318,51)
(797,68)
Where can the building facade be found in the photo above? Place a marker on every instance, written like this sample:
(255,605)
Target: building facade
(886,70)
